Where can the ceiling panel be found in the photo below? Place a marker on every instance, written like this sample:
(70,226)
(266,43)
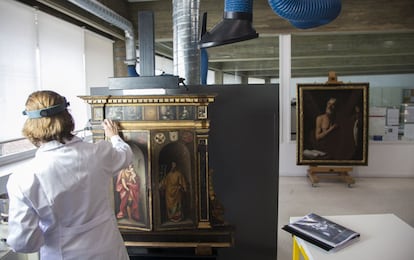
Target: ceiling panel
(368,37)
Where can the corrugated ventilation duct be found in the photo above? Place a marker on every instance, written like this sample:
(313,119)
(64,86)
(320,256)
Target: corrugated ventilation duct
(186,33)
(112,17)
(236,25)
(305,14)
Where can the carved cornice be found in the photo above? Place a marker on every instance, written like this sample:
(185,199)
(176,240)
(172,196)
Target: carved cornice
(170,99)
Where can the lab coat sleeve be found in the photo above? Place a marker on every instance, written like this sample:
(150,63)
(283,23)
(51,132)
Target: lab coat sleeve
(122,155)
(25,235)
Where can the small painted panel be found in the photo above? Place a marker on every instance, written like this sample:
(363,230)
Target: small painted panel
(125,113)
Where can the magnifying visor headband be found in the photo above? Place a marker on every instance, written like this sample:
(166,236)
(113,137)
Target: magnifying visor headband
(48,111)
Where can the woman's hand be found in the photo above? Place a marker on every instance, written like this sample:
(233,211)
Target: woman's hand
(110,128)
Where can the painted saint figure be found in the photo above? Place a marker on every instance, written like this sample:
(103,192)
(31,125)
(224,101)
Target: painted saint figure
(174,185)
(127,185)
(326,131)
(325,123)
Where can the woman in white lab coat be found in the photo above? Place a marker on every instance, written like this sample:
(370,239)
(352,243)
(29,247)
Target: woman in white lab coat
(60,203)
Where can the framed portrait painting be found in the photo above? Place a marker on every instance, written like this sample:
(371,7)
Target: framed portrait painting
(332,124)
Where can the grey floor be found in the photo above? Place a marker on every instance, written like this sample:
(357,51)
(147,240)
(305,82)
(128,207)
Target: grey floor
(367,196)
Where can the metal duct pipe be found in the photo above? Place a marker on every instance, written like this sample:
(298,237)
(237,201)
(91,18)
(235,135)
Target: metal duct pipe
(203,66)
(305,14)
(146,44)
(185,40)
(112,17)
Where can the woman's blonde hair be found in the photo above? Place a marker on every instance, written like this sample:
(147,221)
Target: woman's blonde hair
(57,127)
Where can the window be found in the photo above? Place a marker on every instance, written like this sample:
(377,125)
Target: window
(42,52)
(383,59)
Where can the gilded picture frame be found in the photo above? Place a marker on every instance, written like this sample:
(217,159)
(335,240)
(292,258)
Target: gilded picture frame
(332,124)
(174,181)
(132,203)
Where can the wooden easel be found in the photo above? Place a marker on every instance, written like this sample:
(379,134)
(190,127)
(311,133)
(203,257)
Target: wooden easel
(332,78)
(340,173)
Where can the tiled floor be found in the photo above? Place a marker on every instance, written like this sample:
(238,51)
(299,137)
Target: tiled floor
(368,196)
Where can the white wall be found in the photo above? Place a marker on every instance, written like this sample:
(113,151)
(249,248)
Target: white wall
(384,160)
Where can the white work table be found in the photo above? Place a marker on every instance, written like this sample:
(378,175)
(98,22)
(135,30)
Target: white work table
(383,237)
(7,254)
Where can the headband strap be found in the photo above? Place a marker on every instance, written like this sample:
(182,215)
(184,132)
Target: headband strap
(48,111)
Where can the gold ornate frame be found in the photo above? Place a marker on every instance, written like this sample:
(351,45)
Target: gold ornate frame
(334,133)
(137,213)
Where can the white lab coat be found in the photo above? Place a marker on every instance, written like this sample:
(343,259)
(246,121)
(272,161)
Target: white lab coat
(61,203)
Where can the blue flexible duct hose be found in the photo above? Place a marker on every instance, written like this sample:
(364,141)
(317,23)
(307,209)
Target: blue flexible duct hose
(238,6)
(306,14)
(132,71)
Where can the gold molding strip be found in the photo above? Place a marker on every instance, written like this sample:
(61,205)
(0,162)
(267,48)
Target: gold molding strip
(148,99)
